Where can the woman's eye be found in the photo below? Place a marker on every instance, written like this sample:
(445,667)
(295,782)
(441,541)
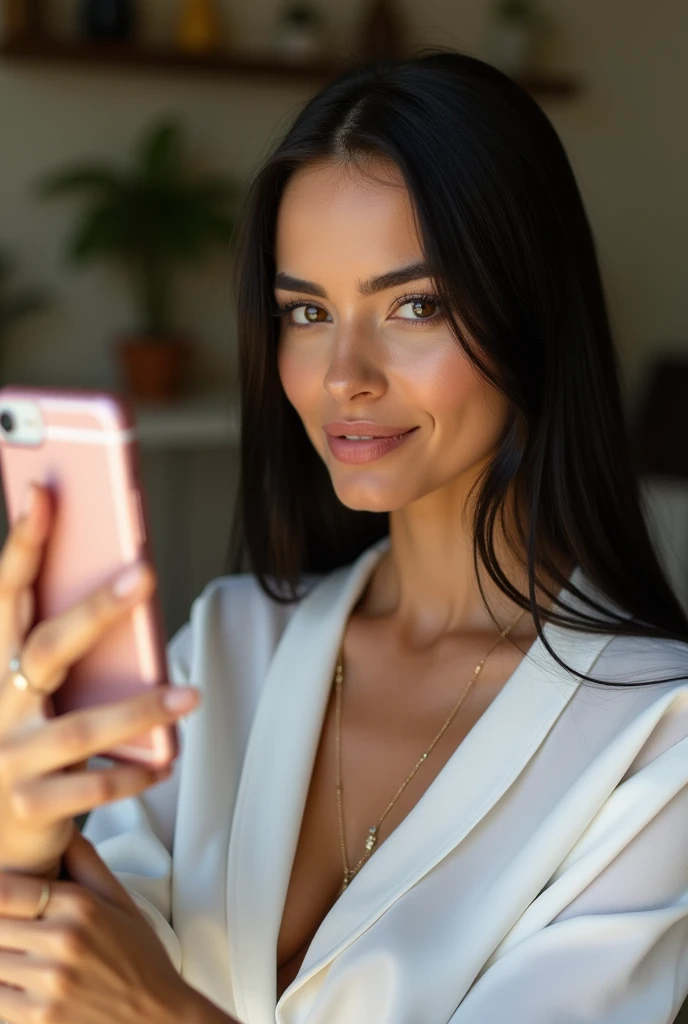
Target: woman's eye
(311,314)
(308,314)
(421,308)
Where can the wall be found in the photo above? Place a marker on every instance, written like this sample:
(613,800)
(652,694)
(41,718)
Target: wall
(623,136)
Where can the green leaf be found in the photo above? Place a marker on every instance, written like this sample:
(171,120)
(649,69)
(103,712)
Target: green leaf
(150,216)
(160,150)
(104,230)
(79,178)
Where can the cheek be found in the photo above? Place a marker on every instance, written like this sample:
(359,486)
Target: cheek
(464,409)
(295,375)
(438,378)
(301,374)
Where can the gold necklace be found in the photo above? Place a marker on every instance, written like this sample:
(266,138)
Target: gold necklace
(374,829)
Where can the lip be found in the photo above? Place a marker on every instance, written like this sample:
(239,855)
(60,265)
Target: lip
(364,427)
(366,451)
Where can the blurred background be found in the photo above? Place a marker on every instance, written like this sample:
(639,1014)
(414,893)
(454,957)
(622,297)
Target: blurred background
(128,132)
(130,128)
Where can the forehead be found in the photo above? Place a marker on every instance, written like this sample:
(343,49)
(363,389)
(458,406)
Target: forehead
(330,213)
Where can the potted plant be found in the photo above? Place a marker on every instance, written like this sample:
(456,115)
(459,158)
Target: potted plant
(150,220)
(515,26)
(16,303)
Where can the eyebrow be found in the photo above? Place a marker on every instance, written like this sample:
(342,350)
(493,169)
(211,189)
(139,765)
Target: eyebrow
(402,275)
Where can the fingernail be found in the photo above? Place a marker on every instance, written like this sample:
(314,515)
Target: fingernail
(180,700)
(128,580)
(29,500)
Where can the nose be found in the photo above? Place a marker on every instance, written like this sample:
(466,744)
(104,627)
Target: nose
(354,369)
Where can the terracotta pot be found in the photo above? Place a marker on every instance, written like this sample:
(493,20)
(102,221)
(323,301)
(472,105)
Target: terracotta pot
(154,369)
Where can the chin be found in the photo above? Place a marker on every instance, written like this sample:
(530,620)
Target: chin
(369,499)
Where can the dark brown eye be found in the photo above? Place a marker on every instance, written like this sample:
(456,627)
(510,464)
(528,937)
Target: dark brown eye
(311,313)
(422,308)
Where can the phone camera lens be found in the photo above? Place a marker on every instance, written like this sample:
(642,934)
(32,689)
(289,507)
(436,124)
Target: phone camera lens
(7,421)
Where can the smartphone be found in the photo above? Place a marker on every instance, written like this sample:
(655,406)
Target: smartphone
(82,446)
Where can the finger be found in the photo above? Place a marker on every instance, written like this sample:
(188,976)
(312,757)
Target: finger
(15,1006)
(53,798)
(22,551)
(78,735)
(23,935)
(20,561)
(20,895)
(55,644)
(15,971)
(40,979)
(86,868)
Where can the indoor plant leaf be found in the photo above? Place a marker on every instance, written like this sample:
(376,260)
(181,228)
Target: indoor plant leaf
(148,217)
(103,230)
(160,150)
(78,178)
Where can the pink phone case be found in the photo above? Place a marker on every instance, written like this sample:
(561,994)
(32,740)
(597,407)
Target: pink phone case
(82,445)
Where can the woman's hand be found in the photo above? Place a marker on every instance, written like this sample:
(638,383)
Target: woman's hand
(91,958)
(44,780)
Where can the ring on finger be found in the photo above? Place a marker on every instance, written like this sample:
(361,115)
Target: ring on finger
(19,679)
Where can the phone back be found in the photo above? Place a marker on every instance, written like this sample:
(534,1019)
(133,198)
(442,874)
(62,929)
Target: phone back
(82,446)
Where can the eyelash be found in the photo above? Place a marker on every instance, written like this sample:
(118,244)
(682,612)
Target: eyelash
(283,310)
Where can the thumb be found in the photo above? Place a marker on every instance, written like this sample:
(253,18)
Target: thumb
(86,867)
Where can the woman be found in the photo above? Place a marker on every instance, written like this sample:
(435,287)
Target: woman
(440,769)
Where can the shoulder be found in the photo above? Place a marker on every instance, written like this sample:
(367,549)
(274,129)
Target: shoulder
(646,705)
(635,660)
(232,623)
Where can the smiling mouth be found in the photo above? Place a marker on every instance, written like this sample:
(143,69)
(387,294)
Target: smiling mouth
(357,448)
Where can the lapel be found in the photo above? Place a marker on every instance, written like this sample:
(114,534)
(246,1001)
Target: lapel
(277,771)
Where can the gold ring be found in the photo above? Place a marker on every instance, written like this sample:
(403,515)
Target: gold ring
(19,680)
(43,901)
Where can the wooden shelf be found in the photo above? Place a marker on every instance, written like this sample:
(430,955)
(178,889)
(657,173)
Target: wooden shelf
(127,56)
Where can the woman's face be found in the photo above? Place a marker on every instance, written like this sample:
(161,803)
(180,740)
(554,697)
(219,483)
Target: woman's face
(382,354)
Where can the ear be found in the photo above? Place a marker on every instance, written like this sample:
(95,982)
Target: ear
(86,868)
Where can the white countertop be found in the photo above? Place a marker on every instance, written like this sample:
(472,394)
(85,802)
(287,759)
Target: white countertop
(199,421)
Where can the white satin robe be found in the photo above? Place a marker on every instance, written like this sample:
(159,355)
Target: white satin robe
(542,878)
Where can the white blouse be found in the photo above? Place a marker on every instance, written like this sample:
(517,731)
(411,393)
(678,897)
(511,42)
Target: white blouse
(541,878)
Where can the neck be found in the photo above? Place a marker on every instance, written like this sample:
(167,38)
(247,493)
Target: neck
(427,584)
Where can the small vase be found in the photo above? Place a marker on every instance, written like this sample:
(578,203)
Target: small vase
(106,20)
(153,369)
(200,27)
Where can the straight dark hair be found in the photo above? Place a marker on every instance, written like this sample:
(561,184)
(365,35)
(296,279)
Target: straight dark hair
(507,241)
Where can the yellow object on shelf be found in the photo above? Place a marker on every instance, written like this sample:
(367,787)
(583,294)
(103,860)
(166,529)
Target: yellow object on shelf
(200,26)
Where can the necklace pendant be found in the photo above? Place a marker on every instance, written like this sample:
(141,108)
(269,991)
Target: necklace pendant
(372,838)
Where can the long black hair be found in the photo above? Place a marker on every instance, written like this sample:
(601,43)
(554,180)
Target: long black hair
(507,242)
